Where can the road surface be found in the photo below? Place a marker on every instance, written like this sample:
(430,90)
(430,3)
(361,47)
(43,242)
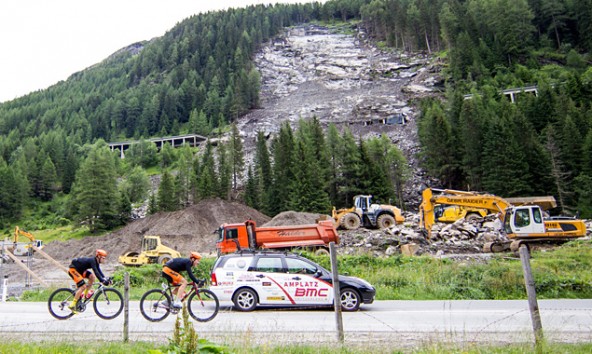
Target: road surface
(394,323)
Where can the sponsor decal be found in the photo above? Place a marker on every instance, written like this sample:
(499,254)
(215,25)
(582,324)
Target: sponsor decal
(229,274)
(310,292)
(276,298)
(304,284)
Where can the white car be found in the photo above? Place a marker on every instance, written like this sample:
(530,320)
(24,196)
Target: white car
(277,279)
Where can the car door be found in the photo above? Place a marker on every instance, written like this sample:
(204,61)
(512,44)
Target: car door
(269,270)
(303,285)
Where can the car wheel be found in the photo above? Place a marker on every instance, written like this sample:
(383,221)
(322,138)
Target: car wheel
(350,299)
(350,221)
(385,221)
(245,299)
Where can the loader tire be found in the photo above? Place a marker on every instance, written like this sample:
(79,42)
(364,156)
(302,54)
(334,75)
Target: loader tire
(350,221)
(385,221)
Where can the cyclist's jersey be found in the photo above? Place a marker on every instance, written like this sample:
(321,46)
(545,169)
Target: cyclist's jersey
(83,263)
(182,265)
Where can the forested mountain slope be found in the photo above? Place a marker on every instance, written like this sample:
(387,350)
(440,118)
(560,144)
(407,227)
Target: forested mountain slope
(200,77)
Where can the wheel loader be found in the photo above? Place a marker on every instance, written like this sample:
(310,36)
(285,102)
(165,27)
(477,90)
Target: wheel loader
(367,214)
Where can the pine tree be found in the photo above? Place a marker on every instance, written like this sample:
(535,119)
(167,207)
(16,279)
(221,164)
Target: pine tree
(137,184)
(224,172)
(351,169)
(124,208)
(48,185)
(152,204)
(307,188)
(166,199)
(95,190)
(262,174)
(283,152)
(207,183)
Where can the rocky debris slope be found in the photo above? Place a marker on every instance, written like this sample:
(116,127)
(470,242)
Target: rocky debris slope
(314,71)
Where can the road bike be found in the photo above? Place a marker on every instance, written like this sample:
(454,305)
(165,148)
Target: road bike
(202,304)
(107,302)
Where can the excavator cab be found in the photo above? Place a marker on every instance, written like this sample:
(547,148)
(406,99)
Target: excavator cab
(524,220)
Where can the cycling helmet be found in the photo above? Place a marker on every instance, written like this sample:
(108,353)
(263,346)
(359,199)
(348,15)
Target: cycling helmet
(195,255)
(101,253)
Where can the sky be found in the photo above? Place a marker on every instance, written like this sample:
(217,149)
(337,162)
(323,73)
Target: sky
(45,41)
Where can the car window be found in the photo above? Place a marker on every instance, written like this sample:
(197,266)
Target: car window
(269,264)
(236,263)
(300,266)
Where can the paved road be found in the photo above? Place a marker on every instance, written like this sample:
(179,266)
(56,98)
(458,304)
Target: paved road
(400,323)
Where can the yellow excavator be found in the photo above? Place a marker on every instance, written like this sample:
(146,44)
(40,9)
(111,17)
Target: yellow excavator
(523,223)
(21,248)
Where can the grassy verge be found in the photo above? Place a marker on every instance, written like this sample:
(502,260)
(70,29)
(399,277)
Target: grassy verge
(10,347)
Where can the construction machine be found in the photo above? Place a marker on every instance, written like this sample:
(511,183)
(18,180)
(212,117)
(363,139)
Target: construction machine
(22,248)
(368,214)
(524,223)
(449,213)
(153,251)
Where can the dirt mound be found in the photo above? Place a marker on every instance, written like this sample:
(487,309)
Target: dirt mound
(189,229)
(295,218)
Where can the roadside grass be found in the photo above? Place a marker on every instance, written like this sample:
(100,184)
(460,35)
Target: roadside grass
(48,347)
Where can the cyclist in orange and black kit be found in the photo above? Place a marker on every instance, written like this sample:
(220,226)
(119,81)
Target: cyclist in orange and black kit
(171,270)
(87,268)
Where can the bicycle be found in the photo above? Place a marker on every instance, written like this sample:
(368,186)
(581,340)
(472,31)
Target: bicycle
(107,302)
(202,304)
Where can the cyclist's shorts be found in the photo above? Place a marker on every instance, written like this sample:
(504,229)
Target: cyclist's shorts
(171,276)
(78,279)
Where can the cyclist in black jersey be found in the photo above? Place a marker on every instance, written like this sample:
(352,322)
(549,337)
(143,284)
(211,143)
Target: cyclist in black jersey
(171,270)
(87,268)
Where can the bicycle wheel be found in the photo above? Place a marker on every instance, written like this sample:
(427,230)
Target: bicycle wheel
(154,305)
(58,303)
(203,305)
(108,303)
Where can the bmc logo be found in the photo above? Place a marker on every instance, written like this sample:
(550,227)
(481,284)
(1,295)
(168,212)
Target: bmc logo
(311,292)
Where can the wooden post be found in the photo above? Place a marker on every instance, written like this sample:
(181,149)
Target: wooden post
(336,292)
(126,283)
(18,263)
(48,257)
(533,305)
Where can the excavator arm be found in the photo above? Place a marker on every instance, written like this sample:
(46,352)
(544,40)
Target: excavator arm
(18,232)
(427,219)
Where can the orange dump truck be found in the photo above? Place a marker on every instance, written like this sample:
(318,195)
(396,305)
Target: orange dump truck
(247,236)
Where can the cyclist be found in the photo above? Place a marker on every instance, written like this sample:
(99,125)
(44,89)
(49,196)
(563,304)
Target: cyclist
(171,270)
(87,268)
